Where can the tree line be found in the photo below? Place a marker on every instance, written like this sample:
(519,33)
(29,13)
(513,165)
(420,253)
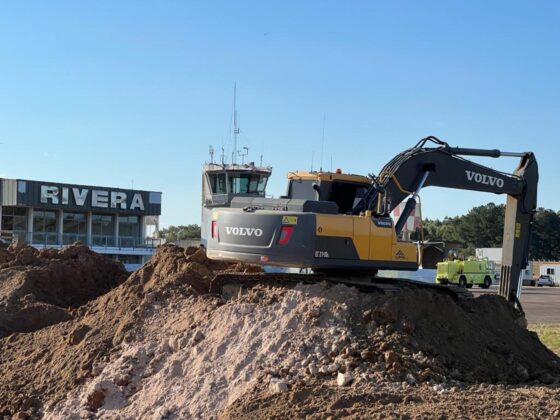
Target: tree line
(482,227)
(176,233)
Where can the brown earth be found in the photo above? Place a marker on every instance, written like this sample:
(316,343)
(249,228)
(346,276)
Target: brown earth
(327,401)
(158,346)
(38,289)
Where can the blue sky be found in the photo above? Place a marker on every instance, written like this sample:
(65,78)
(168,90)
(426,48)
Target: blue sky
(115,93)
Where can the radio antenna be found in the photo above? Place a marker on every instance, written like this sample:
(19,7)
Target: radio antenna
(312,158)
(243,154)
(323,143)
(235,127)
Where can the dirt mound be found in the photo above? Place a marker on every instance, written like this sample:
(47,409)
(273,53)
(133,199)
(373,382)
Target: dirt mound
(159,346)
(474,341)
(40,367)
(200,355)
(37,287)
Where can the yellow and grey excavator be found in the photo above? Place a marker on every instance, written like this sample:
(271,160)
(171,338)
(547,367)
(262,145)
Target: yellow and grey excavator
(339,223)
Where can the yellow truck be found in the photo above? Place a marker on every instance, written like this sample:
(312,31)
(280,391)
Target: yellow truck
(465,273)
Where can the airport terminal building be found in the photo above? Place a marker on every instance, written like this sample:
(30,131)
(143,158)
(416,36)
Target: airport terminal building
(120,223)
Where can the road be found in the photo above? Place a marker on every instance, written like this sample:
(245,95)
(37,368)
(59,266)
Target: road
(541,304)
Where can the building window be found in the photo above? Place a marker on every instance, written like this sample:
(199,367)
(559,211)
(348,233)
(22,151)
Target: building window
(218,183)
(550,271)
(103,230)
(14,220)
(44,227)
(74,227)
(246,183)
(129,231)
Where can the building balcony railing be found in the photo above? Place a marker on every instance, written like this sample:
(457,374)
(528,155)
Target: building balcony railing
(46,239)
(103,241)
(43,238)
(132,242)
(70,238)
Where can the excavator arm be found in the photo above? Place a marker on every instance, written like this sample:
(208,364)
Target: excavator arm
(443,166)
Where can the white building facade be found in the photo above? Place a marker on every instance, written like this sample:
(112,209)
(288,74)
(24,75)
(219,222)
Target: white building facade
(550,268)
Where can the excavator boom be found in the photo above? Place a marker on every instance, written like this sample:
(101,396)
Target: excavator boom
(444,166)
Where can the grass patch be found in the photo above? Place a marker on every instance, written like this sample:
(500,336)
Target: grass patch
(549,334)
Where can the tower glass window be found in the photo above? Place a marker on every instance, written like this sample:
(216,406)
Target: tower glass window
(218,183)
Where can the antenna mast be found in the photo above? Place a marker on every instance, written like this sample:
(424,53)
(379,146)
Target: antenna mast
(240,153)
(235,127)
(312,157)
(323,143)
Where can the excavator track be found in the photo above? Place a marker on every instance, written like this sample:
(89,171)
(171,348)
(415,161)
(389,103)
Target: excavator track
(229,285)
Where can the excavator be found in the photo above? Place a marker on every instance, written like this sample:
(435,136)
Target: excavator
(339,225)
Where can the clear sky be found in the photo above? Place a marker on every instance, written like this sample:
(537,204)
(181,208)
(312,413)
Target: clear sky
(120,92)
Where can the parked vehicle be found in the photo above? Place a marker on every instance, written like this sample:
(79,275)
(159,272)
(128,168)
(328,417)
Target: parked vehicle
(466,273)
(545,280)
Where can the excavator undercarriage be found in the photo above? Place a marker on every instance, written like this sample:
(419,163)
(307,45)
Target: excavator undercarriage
(232,284)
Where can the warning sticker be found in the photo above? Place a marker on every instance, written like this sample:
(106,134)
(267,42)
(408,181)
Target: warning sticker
(289,220)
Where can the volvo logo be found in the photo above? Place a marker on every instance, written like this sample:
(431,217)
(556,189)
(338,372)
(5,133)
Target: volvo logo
(242,231)
(484,179)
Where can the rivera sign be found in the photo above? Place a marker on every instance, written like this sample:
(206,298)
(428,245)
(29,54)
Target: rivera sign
(51,194)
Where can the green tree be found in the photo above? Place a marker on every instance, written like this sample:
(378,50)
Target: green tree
(545,238)
(174,233)
(483,226)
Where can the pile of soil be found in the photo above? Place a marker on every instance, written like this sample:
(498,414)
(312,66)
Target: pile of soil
(158,345)
(37,287)
(208,356)
(39,367)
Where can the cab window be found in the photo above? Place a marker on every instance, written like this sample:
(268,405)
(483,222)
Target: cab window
(346,195)
(302,189)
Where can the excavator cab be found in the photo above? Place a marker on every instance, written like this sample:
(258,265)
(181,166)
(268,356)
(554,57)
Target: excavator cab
(346,190)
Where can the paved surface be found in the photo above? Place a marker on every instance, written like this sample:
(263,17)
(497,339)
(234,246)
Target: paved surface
(541,304)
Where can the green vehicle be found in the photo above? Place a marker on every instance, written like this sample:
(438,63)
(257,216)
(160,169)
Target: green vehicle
(465,273)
